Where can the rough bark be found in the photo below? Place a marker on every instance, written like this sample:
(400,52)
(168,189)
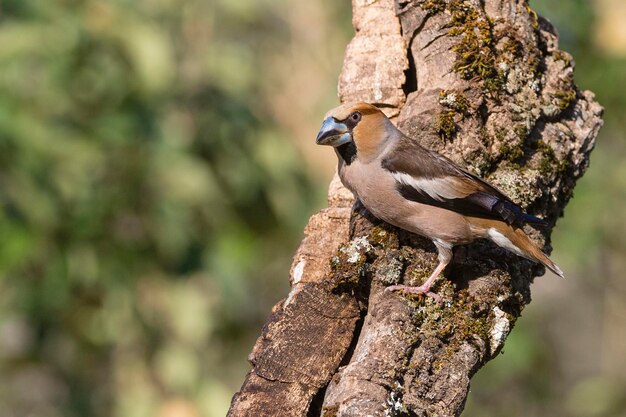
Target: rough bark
(484,83)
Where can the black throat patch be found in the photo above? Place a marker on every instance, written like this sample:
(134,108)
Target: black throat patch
(347,151)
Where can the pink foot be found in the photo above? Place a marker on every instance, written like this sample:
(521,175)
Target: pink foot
(406,289)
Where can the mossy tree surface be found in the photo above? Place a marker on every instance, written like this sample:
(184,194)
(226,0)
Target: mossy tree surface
(484,83)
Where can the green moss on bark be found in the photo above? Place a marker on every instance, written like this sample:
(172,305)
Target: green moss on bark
(445,126)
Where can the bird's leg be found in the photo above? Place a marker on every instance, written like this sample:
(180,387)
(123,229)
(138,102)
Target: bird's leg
(445,255)
(424,288)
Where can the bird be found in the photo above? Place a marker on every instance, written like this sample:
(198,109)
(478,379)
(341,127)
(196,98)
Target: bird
(421,191)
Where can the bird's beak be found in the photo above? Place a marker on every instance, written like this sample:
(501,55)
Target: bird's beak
(333,133)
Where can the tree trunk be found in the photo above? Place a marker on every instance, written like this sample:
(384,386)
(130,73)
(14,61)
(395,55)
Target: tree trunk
(484,83)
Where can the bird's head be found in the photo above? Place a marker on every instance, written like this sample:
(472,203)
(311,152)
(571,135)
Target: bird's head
(358,125)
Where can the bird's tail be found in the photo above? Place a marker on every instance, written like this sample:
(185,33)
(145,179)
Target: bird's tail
(515,240)
(531,250)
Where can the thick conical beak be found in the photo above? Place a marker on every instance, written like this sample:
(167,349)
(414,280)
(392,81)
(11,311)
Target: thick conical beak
(333,133)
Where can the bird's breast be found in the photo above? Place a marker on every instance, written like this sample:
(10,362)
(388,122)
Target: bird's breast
(376,188)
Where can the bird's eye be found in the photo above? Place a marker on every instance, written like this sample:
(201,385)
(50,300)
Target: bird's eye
(355,117)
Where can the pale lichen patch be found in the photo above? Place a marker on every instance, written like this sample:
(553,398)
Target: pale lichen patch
(356,248)
(500,329)
(448,99)
(395,405)
(294,290)
(298,271)
(391,272)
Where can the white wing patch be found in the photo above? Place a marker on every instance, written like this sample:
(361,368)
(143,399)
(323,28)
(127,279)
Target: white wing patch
(440,189)
(504,242)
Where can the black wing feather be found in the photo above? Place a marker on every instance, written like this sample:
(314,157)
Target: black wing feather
(487,201)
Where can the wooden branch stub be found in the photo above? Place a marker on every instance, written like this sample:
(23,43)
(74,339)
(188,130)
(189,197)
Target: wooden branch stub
(309,332)
(484,83)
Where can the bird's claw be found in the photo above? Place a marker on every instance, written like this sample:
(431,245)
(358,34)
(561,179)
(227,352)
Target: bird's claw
(406,289)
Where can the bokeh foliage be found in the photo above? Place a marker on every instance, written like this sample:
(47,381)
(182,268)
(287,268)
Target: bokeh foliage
(150,203)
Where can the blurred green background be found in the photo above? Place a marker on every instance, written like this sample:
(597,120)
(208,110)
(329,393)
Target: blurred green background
(157,168)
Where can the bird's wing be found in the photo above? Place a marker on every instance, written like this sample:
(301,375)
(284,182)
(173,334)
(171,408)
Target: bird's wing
(430,178)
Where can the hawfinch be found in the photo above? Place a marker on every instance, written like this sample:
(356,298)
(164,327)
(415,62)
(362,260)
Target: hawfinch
(421,191)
